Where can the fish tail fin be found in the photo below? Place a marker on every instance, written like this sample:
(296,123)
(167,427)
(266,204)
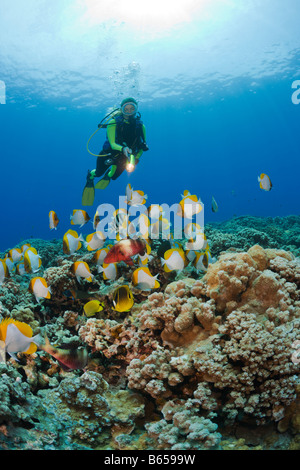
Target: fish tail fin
(41,341)
(38,340)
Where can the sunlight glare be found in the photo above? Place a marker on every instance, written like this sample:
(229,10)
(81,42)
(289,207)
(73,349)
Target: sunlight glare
(154,15)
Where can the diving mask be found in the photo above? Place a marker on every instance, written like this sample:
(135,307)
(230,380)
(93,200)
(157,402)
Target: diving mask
(129,109)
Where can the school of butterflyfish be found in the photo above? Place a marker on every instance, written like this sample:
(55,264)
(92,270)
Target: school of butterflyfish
(132,246)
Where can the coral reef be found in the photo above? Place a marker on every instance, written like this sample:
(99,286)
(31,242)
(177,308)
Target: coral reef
(183,429)
(242,232)
(92,410)
(226,339)
(206,361)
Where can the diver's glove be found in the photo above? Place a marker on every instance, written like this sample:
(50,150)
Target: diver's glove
(144,147)
(126,151)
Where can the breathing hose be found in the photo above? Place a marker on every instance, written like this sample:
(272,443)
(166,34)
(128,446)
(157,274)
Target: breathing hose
(100,126)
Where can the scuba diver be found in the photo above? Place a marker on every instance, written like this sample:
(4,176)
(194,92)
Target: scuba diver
(124,145)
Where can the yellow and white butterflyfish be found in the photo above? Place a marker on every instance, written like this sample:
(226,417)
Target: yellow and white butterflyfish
(98,232)
(191,230)
(79,217)
(94,241)
(160,227)
(190,255)
(143,225)
(135,197)
(176,244)
(4,272)
(109,271)
(10,264)
(25,247)
(15,254)
(174,260)
(32,260)
(165,226)
(143,279)
(99,256)
(202,260)
(96,219)
(39,288)
(53,220)
(82,271)
(264,182)
(16,336)
(143,260)
(146,257)
(71,242)
(155,212)
(132,229)
(198,243)
(122,299)
(20,269)
(92,307)
(189,206)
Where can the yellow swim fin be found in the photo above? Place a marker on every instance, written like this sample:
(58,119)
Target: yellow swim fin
(88,194)
(103,183)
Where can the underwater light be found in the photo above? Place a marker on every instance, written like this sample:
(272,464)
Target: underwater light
(130,166)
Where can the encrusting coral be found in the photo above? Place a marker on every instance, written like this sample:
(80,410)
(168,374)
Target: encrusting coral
(183,428)
(225,340)
(91,407)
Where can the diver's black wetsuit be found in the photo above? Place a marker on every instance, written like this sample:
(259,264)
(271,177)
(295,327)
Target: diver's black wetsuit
(121,132)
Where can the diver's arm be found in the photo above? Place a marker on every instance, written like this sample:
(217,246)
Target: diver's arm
(138,155)
(111,135)
(140,152)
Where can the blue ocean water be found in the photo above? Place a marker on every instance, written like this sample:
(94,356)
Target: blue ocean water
(214,91)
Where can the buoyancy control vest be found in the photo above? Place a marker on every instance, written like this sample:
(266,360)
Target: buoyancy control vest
(129,132)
